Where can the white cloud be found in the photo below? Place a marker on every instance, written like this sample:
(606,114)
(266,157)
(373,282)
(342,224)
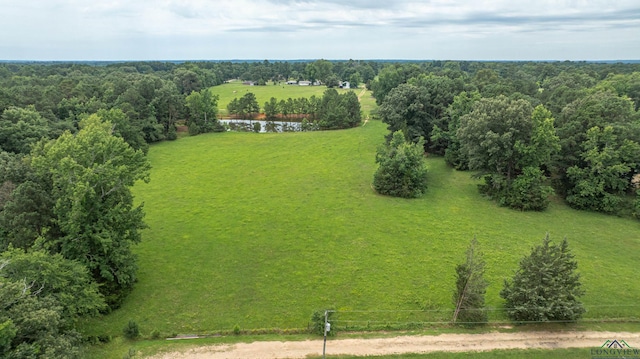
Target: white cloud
(267,28)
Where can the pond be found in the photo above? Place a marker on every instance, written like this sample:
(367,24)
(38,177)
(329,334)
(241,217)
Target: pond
(267,126)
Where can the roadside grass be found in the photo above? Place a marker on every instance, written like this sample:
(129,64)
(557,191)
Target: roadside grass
(147,347)
(260,230)
(228,91)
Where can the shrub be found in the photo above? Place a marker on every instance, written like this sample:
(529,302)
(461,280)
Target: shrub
(104,338)
(131,330)
(172,134)
(130,354)
(317,323)
(528,191)
(194,129)
(257,127)
(218,127)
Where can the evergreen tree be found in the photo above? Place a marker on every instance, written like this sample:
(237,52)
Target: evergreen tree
(546,286)
(468,297)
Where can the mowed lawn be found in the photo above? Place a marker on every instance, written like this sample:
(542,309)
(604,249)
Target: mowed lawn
(228,91)
(260,230)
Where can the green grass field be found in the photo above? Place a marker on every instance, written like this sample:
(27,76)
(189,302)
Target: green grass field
(228,91)
(260,230)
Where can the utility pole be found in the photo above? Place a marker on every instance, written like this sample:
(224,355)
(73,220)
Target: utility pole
(326,329)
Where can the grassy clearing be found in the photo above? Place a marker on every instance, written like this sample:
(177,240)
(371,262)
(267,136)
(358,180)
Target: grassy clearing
(259,230)
(228,91)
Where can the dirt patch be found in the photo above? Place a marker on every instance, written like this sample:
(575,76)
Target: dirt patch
(405,344)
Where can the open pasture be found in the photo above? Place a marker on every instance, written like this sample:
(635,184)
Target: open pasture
(228,91)
(260,230)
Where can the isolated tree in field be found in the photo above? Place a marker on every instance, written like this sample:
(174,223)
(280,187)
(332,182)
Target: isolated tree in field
(401,171)
(90,175)
(337,111)
(546,287)
(468,296)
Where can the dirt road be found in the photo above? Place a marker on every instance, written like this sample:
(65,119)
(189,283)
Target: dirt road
(407,344)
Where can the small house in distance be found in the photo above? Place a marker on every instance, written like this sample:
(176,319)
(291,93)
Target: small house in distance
(292,82)
(304,83)
(345,85)
(249,83)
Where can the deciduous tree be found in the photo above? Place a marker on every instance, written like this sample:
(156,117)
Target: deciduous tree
(41,296)
(20,128)
(91,174)
(509,143)
(601,183)
(404,110)
(203,110)
(402,171)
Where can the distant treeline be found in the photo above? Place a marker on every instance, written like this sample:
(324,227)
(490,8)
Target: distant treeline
(52,98)
(49,98)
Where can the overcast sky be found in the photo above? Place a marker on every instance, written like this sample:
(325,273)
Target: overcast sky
(312,29)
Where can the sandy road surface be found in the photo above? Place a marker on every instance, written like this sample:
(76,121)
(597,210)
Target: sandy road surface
(406,344)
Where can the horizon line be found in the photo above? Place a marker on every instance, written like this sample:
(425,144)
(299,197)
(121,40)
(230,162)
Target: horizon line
(316,59)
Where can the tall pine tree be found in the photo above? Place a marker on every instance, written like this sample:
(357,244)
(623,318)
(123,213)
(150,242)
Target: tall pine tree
(470,288)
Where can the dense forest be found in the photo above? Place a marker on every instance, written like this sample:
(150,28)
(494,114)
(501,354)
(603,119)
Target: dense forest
(527,129)
(74,138)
